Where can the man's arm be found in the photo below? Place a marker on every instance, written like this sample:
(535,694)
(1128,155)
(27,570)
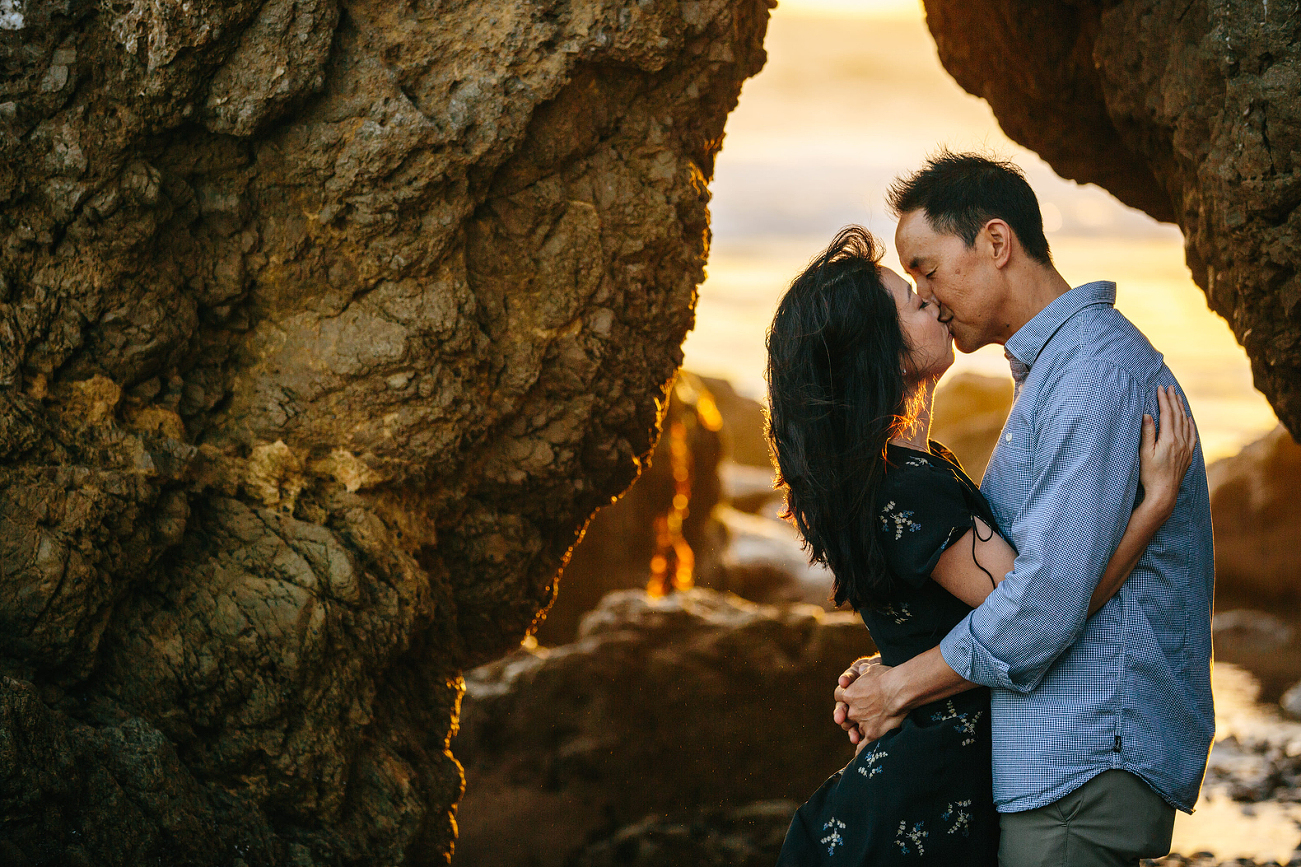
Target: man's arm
(1083,465)
(876,698)
(1087,444)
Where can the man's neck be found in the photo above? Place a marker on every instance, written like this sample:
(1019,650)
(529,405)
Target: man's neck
(1035,287)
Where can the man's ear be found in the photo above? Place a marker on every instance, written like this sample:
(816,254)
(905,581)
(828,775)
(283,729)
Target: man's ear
(999,238)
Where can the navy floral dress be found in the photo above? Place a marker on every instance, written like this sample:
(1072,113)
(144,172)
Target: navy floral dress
(922,794)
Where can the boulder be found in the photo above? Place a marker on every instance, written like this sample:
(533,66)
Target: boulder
(970,410)
(750,836)
(324,329)
(667,707)
(750,489)
(1186,109)
(745,422)
(1256,517)
(765,561)
(1291,701)
(1246,631)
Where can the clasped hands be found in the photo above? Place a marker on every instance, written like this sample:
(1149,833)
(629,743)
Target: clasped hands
(861,705)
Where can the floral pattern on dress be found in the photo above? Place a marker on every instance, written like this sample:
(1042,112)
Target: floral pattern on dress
(904,837)
(898,613)
(833,839)
(902,519)
(963,723)
(959,814)
(917,462)
(869,768)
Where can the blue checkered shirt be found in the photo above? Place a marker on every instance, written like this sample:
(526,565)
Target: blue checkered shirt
(1130,687)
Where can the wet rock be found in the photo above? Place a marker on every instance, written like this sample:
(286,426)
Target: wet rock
(671,707)
(321,337)
(1183,109)
(1256,517)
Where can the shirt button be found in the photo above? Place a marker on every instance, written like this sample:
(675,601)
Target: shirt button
(1007,438)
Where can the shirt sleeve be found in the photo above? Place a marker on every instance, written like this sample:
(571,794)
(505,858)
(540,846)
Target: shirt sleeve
(921,513)
(1087,428)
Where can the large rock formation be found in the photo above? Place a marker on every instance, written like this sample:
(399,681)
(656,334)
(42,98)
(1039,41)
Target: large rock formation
(1257,519)
(1187,109)
(324,327)
(970,410)
(693,703)
(652,519)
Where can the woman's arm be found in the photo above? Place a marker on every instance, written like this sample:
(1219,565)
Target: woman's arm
(1162,465)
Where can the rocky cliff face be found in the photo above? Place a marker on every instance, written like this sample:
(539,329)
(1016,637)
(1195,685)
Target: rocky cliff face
(1185,108)
(324,326)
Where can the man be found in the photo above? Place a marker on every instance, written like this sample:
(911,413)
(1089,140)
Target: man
(1101,725)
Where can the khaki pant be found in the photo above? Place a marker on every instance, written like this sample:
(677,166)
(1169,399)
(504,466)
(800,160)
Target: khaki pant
(1113,820)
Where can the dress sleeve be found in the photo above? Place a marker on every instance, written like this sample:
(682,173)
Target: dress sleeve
(921,511)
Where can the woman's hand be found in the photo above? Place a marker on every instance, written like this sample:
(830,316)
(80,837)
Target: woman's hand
(1162,465)
(1164,461)
(840,715)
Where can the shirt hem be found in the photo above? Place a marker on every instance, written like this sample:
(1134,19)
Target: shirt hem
(1025,804)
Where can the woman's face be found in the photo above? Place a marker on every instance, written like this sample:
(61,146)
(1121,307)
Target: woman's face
(931,342)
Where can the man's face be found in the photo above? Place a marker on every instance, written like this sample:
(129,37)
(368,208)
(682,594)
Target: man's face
(951,274)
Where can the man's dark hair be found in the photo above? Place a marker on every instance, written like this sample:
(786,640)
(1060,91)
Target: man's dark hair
(959,193)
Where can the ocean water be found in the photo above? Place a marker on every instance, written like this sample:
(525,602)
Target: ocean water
(849,101)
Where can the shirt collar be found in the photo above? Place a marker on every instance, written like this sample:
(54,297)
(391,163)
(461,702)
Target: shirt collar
(1030,339)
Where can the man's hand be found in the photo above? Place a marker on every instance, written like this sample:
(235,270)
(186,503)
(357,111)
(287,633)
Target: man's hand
(872,699)
(861,708)
(841,713)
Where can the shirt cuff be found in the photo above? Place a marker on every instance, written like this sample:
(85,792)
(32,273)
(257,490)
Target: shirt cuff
(965,655)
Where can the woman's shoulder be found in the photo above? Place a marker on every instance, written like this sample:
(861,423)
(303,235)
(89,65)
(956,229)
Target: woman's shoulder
(905,466)
(912,475)
(942,451)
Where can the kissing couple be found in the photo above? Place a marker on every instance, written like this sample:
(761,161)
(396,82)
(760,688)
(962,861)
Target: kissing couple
(1042,696)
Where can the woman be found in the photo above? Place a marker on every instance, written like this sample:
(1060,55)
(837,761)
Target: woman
(853,359)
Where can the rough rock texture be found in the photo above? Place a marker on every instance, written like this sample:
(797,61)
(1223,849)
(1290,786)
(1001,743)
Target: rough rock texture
(324,327)
(1184,108)
(620,541)
(1256,515)
(695,702)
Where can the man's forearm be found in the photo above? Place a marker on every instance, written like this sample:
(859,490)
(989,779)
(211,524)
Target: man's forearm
(924,678)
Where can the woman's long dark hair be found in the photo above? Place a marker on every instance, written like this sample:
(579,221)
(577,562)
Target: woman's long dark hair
(836,393)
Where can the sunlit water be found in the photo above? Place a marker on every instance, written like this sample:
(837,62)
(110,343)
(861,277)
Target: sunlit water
(846,104)
(1265,831)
